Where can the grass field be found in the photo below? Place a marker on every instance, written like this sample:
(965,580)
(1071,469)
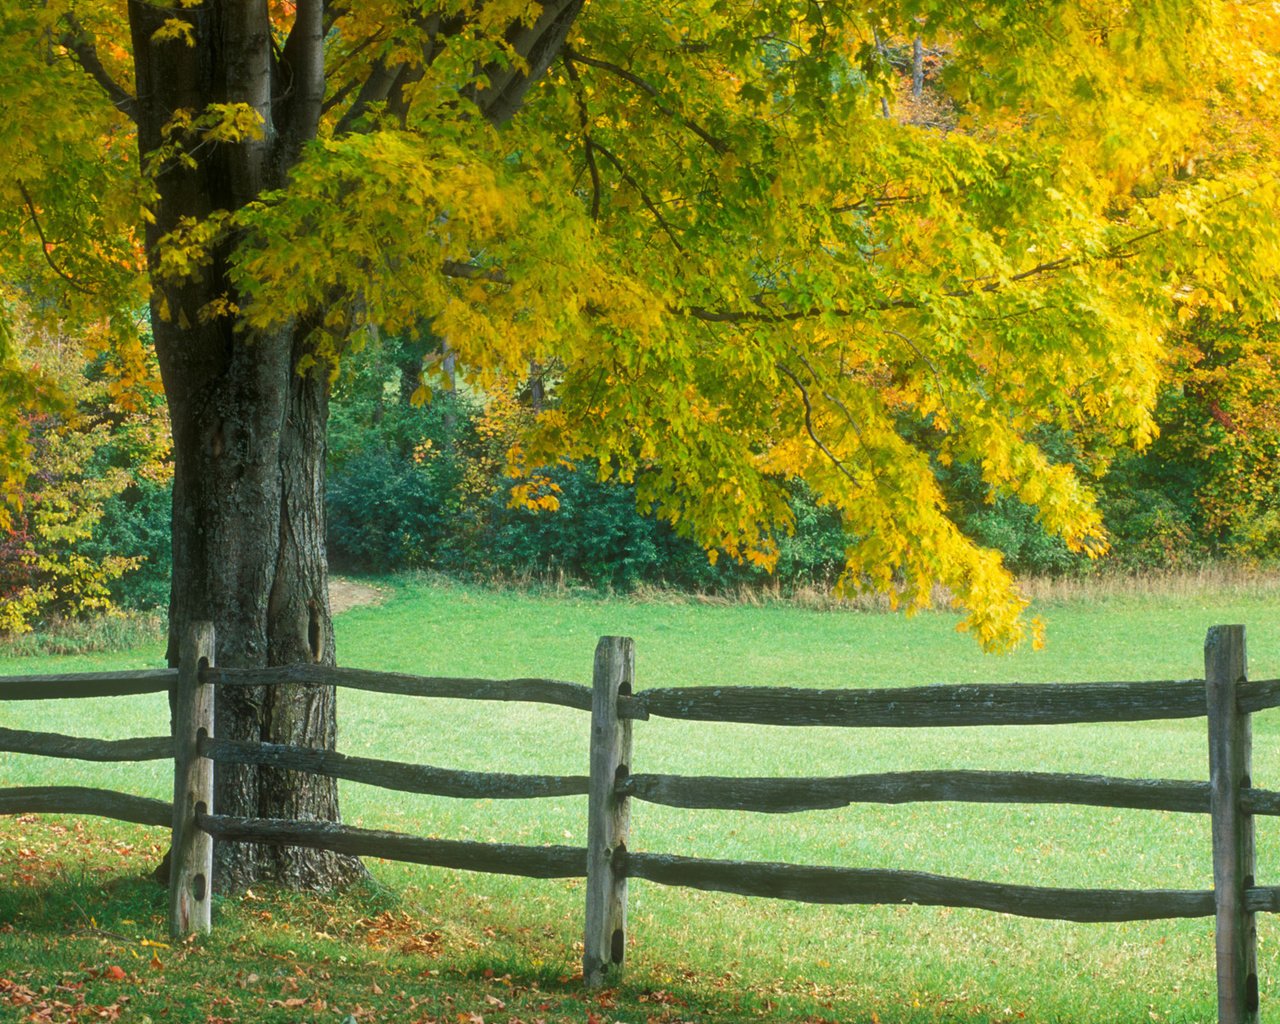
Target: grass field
(440,945)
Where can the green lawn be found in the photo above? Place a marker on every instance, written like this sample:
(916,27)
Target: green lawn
(694,956)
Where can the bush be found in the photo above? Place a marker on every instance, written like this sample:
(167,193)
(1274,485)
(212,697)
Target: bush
(395,471)
(1011,527)
(598,537)
(136,522)
(814,553)
(387,512)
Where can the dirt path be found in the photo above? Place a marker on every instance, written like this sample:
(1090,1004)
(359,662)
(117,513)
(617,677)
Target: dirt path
(345,594)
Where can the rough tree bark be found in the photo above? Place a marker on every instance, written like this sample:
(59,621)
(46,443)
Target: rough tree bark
(248,428)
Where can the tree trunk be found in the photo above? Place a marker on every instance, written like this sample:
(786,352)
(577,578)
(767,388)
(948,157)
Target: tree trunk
(248,532)
(249,448)
(248,429)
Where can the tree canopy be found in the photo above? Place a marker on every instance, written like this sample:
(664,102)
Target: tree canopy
(734,248)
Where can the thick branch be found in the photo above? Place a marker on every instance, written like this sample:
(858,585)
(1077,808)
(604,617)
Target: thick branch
(80,45)
(387,83)
(539,45)
(303,62)
(764,316)
(468,272)
(376,89)
(343,91)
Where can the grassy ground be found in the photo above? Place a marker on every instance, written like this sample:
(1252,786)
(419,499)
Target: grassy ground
(422,944)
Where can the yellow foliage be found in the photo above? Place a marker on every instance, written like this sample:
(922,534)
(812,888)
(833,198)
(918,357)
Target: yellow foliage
(175,29)
(739,271)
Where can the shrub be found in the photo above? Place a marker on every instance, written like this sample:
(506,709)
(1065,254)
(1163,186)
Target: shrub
(595,536)
(136,522)
(395,470)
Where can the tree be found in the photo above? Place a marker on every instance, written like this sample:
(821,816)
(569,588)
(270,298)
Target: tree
(732,270)
(101,439)
(1220,424)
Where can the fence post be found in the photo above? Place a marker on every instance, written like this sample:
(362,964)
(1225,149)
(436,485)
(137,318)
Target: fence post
(1230,765)
(191,853)
(608,815)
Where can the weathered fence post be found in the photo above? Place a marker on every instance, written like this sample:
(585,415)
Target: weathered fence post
(1230,765)
(191,854)
(608,815)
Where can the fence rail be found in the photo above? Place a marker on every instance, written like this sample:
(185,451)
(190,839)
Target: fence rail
(52,744)
(101,803)
(88,684)
(1225,698)
(409,778)
(493,858)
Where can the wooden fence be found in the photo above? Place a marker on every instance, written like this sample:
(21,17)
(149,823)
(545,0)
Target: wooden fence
(1225,697)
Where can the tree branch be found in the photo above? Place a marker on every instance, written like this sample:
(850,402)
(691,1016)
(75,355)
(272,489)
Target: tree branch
(1120,251)
(764,316)
(387,82)
(80,44)
(808,424)
(644,196)
(376,88)
(469,272)
(933,369)
(303,61)
(539,45)
(588,144)
(343,91)
(715,142)
(45,244)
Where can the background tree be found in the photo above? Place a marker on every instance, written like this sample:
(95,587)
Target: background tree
(104,438)
(733,269)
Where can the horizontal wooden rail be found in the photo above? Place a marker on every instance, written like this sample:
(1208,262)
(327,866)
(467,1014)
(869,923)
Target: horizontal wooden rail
(1262,899)
(784,796)
(536,691)
(494,858)
(1260,801)
(873,886)
(1258,695)
(103,803)
(409,778)
(919,706)
(87,684)
(52,744)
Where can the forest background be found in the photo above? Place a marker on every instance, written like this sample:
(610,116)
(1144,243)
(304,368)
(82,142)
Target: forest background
(419,484)
(423,486)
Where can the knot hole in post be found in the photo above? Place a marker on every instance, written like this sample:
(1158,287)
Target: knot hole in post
(618,948)
(199,887)
(315,635)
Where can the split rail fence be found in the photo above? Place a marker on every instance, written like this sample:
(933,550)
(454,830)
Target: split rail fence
(1225,697)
